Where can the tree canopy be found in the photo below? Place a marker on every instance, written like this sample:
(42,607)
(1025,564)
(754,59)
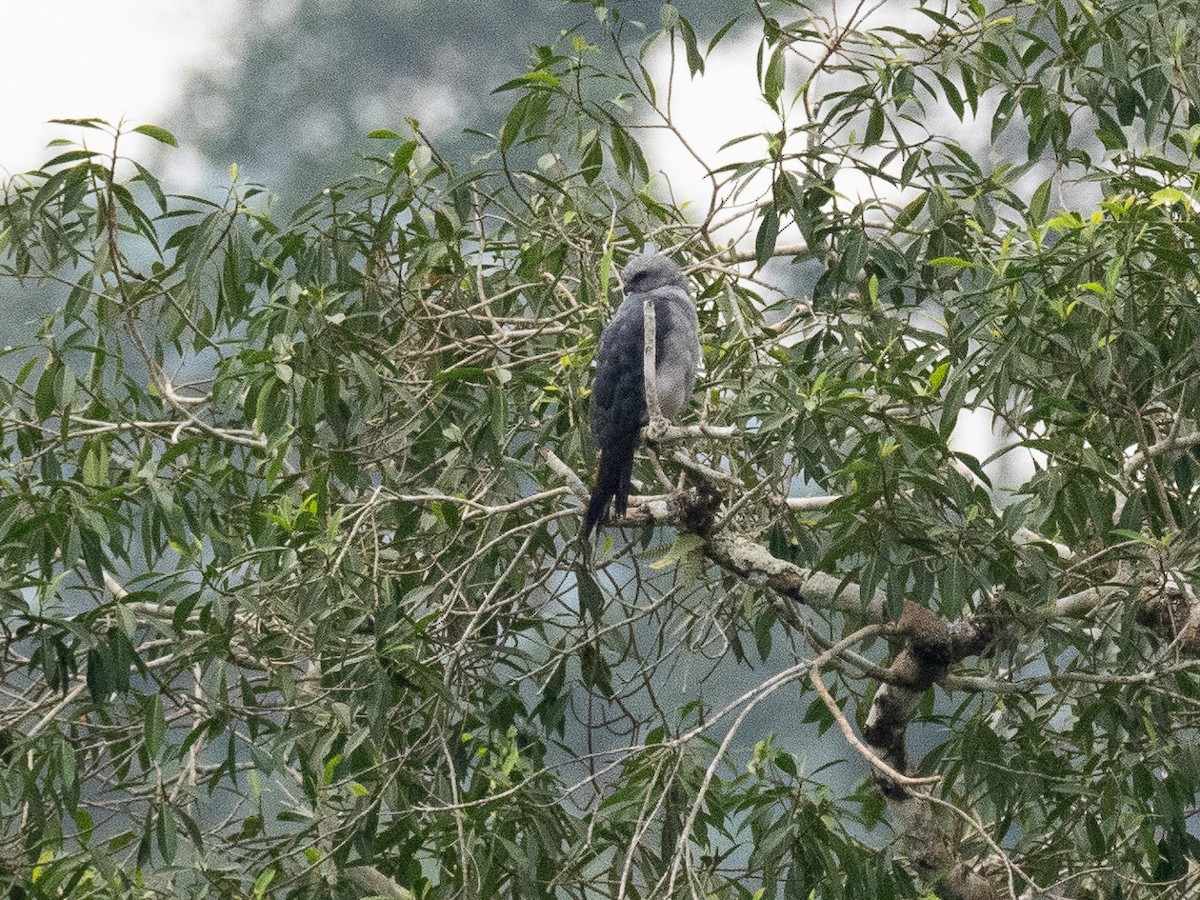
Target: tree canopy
(292,598)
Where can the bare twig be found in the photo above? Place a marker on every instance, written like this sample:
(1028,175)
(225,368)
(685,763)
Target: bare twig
(853,739)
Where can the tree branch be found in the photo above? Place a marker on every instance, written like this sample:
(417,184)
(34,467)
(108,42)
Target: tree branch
(658,422)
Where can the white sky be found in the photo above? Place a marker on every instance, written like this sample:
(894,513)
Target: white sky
(101,58)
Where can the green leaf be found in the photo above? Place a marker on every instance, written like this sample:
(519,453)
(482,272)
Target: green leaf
(183,610)
(591,600)
(953,262)
(721,32)
(67,768)
(1110,132)
(648,84)
(763,638)
(69,156)
(99,124)
(776,75)
(84,825)
(45,397)
(909,214)
(154,726)
(952,95)
(938,376)
(165,833)
(952,401)
(159,134)
(402,155)
(694,60)
(152,185)
(970,88)
(768,233)
(95,464)
(683,546)
(499,415)
(593,159)
(512,125)
(1169,196)
(1040,203)
(874,126)
(263,881)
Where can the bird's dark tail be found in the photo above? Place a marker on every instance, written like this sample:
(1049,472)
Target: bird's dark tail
(612,483)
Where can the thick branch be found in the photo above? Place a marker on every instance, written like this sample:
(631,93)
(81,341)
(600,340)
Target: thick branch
(930,648)
(374,882)
(682,432)
(1139,458)
(884,769)
(743,557)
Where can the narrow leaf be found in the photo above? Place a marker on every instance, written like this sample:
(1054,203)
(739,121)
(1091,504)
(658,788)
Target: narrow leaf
(768,233)
(1040,203)
(776,74)
(159,134)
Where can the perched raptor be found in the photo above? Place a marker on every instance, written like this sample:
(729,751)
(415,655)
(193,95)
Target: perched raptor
(618,409)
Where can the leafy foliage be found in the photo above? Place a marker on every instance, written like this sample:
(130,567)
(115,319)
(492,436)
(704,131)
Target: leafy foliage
(289,583)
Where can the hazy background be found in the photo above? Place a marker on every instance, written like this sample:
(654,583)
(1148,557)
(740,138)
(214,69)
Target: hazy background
(287,89)
(284,88)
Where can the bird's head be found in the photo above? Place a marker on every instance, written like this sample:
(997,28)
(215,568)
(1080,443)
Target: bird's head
(644,273)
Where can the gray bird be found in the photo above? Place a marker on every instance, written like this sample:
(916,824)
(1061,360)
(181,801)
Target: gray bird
(618,409)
